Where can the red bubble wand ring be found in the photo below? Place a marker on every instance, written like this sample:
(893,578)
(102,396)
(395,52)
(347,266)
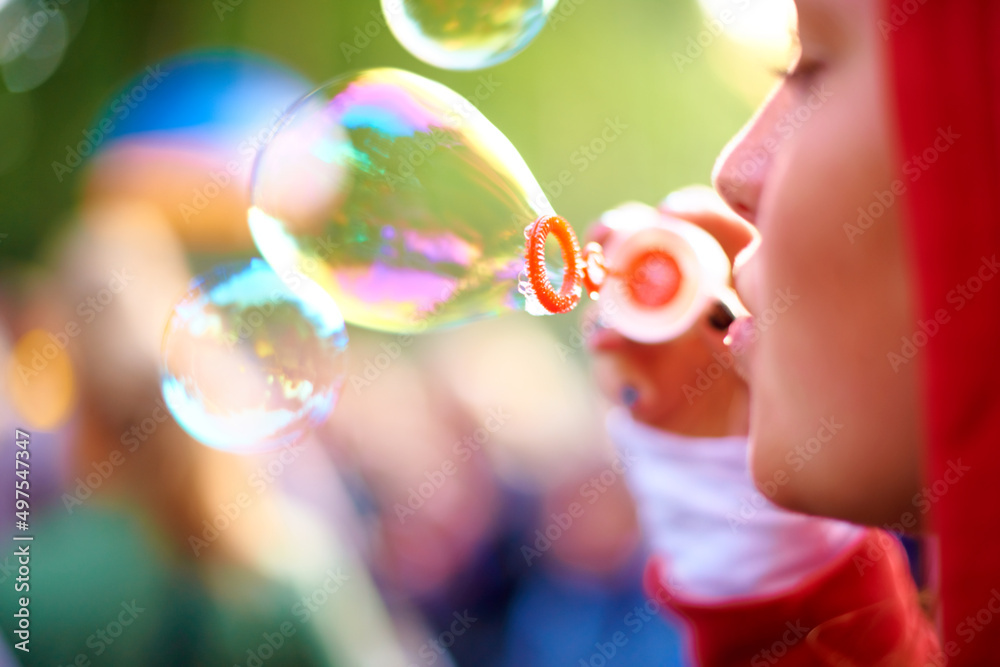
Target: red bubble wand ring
(584,270)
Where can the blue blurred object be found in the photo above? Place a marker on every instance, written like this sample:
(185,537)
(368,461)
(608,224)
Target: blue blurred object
(182,136)
(217,96)
(564,619)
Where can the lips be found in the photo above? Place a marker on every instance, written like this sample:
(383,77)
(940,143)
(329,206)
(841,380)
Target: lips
(739,340)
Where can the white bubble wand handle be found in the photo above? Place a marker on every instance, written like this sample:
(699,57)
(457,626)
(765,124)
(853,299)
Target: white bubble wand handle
(661,274)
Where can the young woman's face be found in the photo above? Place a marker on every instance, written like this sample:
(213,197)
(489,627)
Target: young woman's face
(834,418)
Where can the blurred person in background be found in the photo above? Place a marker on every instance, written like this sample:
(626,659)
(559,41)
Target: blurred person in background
(150,557)
(444,527)
(463,462)
(726,560)
(117,579)
(582,601)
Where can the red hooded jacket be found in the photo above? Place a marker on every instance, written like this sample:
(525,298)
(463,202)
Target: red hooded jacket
(946,67)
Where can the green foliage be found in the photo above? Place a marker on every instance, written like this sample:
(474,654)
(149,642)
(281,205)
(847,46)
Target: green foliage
(598,62)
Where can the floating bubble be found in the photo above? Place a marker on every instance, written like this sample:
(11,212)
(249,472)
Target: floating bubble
(466,34)
(34,49)
(250,363)
(403,202)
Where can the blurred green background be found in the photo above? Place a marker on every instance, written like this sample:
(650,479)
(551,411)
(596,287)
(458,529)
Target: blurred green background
(596,60)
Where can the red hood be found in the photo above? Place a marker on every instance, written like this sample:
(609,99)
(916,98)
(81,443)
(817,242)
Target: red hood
(946,63)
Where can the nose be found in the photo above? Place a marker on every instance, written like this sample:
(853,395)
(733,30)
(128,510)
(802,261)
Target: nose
(742,168)
(739,174)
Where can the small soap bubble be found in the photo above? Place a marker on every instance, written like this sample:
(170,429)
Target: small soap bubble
(252,362)
(466,34)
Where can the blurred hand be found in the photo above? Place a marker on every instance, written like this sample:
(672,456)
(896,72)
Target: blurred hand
(686,385)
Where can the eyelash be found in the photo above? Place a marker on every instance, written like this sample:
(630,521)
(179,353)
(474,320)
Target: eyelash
(802,72)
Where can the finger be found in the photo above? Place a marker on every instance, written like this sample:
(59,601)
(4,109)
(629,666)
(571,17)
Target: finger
(700,205)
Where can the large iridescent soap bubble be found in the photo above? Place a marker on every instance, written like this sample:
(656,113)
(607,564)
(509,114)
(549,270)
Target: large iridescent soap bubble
(407,206)
(252,362)
(466,34)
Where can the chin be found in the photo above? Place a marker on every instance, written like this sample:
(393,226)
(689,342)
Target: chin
(838,489)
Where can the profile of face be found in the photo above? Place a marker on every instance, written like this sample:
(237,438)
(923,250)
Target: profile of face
(832,414)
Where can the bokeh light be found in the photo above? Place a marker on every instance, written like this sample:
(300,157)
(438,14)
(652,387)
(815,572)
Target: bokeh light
(40,379)
(767,25)
(36,34)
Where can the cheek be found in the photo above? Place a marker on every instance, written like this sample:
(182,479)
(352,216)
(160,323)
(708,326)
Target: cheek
(826,357)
